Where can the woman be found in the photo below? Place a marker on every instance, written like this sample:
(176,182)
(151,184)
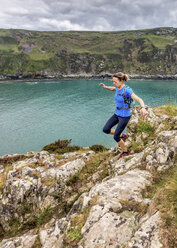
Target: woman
(122,113)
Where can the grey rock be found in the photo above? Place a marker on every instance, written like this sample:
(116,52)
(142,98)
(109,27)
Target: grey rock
(25,241)
(148,234)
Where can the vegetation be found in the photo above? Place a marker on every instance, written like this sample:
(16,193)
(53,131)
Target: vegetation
(170,110)
(8,160)
(145,127)
(98,148)
(37,243)
(96,163)
(134,206)
(44,216)
(163,193)
(138,51)
(60,147)
(73,234)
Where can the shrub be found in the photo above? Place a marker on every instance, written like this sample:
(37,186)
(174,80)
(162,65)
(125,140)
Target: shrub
(98,148)
(60,147)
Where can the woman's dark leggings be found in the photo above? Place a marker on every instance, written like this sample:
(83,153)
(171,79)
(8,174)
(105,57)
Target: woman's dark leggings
(122,123)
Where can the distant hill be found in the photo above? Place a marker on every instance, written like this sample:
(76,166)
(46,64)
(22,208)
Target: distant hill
(151,51)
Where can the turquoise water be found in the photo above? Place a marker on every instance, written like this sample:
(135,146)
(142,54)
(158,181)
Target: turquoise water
(33,114)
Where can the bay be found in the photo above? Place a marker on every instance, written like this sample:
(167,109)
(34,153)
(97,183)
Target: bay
(36,113)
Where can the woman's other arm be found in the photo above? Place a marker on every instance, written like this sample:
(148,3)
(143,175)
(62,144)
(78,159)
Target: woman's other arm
(107,87)
(140,101)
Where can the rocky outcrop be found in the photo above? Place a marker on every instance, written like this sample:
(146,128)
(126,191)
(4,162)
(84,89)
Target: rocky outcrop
(113,212)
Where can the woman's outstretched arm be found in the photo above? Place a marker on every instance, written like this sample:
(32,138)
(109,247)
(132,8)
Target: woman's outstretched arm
(107,87)
(140,101)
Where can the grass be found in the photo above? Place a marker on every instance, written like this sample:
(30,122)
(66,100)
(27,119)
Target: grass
(136,147)
(44,216)
(37,54)
(142,127)
(10,48)
(127,159)
(163,193)
(145,127)
(49,45)
(159,41)
(17,226)
(96,162)
(73,234)
(2,181)
(134,206)
(170,110)
(37,243)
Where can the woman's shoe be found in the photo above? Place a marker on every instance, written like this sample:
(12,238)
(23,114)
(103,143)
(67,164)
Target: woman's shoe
(124,137)
(124,154)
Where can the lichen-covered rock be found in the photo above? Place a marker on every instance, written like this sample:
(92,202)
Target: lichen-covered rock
(111,230)
(148,234)
(120,166)
(51,236)
(64,172)
(26,182)
(127,186)
(25,241)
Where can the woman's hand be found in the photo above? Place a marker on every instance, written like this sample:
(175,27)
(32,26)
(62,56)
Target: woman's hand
(101,84)
(143,112)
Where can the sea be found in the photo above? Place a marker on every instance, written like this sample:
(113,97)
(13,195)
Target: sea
(36,113)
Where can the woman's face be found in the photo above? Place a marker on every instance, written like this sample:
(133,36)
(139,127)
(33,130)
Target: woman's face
(117,83)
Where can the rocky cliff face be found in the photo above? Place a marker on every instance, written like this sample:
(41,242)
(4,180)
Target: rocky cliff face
(32,54)
(83,199)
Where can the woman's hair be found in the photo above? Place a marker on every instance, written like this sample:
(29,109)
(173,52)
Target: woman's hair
(121,76)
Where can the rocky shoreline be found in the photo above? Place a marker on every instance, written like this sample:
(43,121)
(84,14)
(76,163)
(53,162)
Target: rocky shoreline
(106,76)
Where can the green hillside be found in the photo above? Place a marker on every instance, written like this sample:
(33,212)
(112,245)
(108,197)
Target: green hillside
(152,51)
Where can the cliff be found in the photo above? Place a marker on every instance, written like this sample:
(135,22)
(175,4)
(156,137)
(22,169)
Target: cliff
(93,199)
(38,54)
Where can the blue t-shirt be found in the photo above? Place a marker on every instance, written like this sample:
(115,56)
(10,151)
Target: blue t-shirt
(120,102)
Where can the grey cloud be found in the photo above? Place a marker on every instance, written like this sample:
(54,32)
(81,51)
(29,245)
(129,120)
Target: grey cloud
(87,14)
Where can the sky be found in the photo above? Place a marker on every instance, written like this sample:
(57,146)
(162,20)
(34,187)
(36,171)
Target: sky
(93,15)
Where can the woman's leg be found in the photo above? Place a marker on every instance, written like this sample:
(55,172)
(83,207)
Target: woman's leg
(113,131)
(123,121)
(110,123)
